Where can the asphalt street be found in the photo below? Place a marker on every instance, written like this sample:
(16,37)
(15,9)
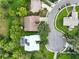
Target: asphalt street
(56,42)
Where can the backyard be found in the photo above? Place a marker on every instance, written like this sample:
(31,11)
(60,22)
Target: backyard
(3,23)
(59,19)
(68,56)
(10,25)
(3,27)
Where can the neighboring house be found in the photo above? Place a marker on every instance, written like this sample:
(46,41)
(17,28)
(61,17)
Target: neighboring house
(31,23)
(35,5)
(72,21)
(30,43)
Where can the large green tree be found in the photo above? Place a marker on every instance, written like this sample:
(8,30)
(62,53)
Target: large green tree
(22,11)
(73,39)
(43,31)
(53,0)
(15,30)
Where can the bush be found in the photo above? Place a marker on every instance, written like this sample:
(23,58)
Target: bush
(43,12)
(22,11)
(53,0)
(4,4)
(15,30)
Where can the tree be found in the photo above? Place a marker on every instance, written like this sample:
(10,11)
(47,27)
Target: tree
(53,0)
(15,30)
(73,39)
(46,2)
(43,12)
(11,12)
(43,31)
(10,1)
(4,4)
(22,11)
(18,53)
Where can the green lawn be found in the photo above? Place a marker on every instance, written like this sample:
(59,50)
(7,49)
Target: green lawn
(64,56)
(50,55)
(3,23)
(11,48)
(77,9)
(59,20)
(68,56)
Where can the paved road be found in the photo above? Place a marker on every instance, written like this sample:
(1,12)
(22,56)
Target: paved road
(56,42)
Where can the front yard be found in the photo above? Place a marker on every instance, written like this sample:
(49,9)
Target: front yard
(59,22)
(68,56)
(59,19)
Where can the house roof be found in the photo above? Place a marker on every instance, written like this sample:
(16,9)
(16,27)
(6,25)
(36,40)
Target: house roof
(31,23)
(71,21)
(31,42)
(35,5)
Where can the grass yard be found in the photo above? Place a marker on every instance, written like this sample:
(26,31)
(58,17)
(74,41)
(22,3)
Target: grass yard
(3,23)
(44,54)
(59,20)
(77,9)
(3,27)
(64,56)
(50,55)
(68,56)
(12,26)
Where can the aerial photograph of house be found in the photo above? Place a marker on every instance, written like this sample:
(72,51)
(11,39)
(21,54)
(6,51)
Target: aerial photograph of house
(39,29)
(71,21)
(30,43)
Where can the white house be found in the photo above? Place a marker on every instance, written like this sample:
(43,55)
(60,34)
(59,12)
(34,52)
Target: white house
(71,21)
(31,43)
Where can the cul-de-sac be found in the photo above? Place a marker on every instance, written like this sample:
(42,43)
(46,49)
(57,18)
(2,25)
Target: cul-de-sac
(39,29)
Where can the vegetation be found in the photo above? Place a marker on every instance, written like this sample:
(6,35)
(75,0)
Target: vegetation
(71,36)
(3,28)
(21,11)
(68,56)
(46,2)
(43,13)
(53,0)
(43,31)
(15,30)
(59,20)
(11,21)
